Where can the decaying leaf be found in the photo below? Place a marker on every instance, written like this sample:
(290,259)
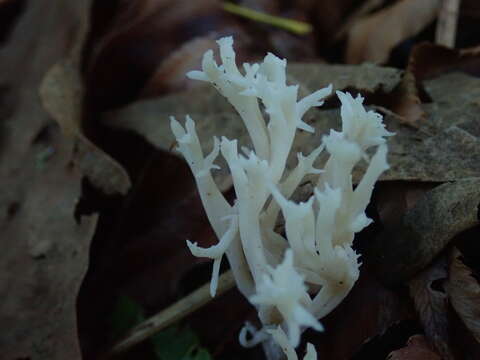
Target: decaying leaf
(417,349)
(433,153)
(394,198)
(140,35)
(373,37)
(62,92)
(407,103)
(432,305)
(214,116)
(382,309)
(464,293)
(366,78)
(426,229)
(45,248)
(429,60)
(170,74)
(327,16)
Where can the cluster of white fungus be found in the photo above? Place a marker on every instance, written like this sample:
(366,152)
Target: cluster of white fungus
(297,280)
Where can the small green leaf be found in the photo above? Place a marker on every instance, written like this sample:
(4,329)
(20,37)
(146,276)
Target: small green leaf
(173,344)
(126,314)
(178,344)
(201,354)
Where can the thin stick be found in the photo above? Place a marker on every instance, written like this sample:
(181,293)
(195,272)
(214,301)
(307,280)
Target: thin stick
(172,314)
(447,23)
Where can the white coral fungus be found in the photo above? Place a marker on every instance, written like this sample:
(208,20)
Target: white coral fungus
(273,271)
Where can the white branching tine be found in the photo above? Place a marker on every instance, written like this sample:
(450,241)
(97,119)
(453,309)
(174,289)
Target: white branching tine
(329,201)
(329,297)
(215,204)
(363,192)
(343,157)
(283,288)
(216,251)
(313,100)
(256,336)
(228,80)
(213,201)
(360,126)
(281,338)
(272,271)
(248,205)
(291,183)
(299,224)
(311,353)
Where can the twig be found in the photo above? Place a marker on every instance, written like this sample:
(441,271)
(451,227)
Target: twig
(172,314)
(294,26)
(447,23)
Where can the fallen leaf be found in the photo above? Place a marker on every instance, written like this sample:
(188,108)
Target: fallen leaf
(394,198)
(417,349)
(62,92)
(428,60)
(348,330)
(426,229)
(326,16)
(137,39)
(431,303)
(373,37)
(170,74)
(464,293)
(433,153)
(46,248)
(407,104)
(214,115)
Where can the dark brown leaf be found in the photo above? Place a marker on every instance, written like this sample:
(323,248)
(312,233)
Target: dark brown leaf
(369,310)
(433,153)
(408,104)
(417,349)
(428,60)
(464,293)
(136,41)
(373,37)
(45,248)
(62,92)
(214,116)
(430,299)
(426,229)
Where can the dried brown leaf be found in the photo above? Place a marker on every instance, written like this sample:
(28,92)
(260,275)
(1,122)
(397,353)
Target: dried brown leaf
(431,304)
(433,153)
(373,37)
(170,74)
(408,104)
(464,293)
(62,92)
(347,329)
(214,115)
(426,229)
(417,349)
(428,60)
(46,248)
(140,37)
(394,198)
(327,16)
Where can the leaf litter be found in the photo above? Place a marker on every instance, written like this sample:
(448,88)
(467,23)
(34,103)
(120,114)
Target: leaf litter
(430,107)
